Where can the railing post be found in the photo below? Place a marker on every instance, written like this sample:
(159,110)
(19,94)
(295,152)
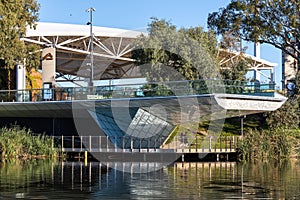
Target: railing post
(81,143)
(123,148)
(230,143)
(140,145)
(90,143)
(226,140)
(100,143)
(220,138)
(203,145)
(115,143)
(72,142)
(62,143)
(215,143)
(209,144)
(106,143)
(196,143)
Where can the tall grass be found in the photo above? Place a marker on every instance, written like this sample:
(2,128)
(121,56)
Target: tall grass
(17,142)
(269,144)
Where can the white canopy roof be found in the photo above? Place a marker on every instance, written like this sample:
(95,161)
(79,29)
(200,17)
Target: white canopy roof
(58,29)
(112,48)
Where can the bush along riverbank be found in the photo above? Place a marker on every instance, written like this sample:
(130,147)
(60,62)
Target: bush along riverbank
(269,144)
(17,142)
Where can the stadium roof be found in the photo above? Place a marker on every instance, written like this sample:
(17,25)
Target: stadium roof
(112,47)
(57,29)
(112,50)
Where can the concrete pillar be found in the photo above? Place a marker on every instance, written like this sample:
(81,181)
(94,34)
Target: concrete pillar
(48,65)
(257,55)
(21,77)
(256,75)
(289,68)
(257,49)
(21,95)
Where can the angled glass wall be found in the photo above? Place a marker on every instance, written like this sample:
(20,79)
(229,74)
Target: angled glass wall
(140,130)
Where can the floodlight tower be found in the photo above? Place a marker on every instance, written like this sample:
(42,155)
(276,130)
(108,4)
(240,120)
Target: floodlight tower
(91,10)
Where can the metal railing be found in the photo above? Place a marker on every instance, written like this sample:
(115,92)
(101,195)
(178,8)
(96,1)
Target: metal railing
(174,88)
(179,144)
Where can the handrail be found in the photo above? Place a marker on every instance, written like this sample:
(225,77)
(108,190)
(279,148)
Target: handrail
(153,89)
(106,144)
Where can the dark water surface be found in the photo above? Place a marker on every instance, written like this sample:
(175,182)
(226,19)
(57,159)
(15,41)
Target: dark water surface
(75,180)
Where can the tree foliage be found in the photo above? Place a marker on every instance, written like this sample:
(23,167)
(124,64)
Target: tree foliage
(275,22)
(285,117)
(165,51)
(15,17)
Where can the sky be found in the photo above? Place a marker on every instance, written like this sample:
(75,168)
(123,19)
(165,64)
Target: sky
(136,15)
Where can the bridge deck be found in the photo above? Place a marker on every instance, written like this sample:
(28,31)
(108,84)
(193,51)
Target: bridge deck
(101,144)
(162,89)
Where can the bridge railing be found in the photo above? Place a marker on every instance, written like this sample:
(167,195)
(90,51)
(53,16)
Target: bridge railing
(174,88)
(179,144)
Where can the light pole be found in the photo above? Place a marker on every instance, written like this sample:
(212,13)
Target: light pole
(90,10)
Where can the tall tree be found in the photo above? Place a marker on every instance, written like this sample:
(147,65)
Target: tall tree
(275,22)
(15,17)
(192,52)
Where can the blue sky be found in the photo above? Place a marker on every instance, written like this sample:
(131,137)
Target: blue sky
(136,14)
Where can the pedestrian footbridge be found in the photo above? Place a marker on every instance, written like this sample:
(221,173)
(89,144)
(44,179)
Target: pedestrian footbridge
(147,110)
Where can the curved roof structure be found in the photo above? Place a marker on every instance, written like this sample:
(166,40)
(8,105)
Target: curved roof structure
(58,29)
(112,48)
(254,63)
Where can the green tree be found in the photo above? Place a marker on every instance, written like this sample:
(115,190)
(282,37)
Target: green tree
(192,52)
(15,17)
(285,117)
(275,22)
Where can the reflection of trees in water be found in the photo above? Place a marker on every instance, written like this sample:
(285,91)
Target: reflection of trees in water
(18,176)
(249,180)
(279,180)
(204,180)
(218,180)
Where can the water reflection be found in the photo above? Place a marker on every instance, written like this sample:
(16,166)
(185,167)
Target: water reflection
(73,180)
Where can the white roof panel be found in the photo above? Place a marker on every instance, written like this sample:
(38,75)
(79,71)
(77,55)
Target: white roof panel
(58,29)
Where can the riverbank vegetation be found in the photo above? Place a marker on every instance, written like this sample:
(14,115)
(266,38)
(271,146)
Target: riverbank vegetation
(264,136)
(17,142)
(275,144)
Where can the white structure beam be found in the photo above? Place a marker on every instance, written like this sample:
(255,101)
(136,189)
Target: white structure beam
(112,47)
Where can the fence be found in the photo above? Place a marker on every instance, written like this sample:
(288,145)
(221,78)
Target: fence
(174,88)
(179,144)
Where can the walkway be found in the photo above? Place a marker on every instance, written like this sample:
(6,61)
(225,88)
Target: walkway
(175,88)
(205,144)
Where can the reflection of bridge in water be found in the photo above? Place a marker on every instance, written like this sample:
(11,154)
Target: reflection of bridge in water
(135,117)
(104,174)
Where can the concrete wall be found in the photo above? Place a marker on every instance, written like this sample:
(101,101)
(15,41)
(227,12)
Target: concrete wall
(49,65)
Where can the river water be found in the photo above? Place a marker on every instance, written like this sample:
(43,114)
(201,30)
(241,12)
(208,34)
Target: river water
(45,179)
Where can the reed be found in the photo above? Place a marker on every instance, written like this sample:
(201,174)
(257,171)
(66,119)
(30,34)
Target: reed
(17,142)
(269,144)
